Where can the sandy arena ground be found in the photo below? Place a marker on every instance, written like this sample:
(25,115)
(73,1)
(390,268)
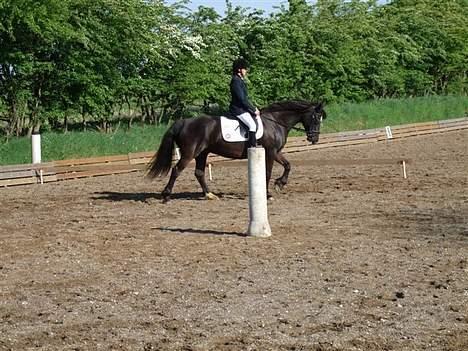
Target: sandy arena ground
(360,258)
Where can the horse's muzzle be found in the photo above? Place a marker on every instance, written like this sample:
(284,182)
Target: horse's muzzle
(313,138)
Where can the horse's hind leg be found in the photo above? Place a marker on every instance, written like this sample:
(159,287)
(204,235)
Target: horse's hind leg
(270,158)
(200,175)
(176,171)
(281,182)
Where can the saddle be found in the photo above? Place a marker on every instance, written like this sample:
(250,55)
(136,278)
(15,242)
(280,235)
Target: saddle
(233,130)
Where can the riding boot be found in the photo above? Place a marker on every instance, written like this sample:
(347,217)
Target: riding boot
(252,140)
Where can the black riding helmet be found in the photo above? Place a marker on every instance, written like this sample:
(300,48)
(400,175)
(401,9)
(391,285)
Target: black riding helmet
(239,64)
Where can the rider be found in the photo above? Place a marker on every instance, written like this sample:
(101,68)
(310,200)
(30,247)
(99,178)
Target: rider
(240,105)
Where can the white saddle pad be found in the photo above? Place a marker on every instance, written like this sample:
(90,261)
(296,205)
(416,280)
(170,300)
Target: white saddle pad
(233,131)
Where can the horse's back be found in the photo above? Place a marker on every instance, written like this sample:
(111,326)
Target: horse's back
(199,128)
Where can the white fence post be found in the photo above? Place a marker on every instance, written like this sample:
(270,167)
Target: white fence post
(258,211)
(36,152)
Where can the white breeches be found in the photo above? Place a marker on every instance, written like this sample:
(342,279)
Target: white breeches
(249,121)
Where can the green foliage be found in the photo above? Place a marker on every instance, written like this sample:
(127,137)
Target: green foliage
(98,61)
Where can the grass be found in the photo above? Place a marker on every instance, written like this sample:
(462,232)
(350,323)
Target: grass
(341,117)
(60,146)
(391,112)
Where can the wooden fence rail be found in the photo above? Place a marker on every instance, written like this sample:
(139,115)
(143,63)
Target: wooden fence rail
(132,162)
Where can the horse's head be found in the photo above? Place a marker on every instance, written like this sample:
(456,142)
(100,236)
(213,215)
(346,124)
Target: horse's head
(288,113)
(312,120)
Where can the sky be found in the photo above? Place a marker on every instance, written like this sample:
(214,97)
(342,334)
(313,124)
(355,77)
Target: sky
(220,5)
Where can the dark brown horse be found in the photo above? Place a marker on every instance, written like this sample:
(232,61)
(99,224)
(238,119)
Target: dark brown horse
(197,137)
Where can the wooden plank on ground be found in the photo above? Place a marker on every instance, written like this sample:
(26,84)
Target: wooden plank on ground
(18,181)
(92,160)
(331,162)
(328,145)
(423,125)
(462,123)
(140,161)
(425,132)
(414,129)
(353,132)
(454,120)
(229,162)
(77,175)
(336,137)
(17,174)
(140,157)
(144,154)
(111,168)
(49,178)
(349,162)
(25,167)
(98,166)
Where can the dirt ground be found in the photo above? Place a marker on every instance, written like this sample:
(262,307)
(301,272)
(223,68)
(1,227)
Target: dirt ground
(359,259)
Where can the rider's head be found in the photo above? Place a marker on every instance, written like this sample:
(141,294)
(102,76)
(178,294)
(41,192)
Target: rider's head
(240,66)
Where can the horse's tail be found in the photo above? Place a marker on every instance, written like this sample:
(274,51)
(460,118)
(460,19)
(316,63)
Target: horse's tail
(161,163)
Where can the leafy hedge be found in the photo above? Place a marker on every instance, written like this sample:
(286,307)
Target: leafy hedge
(64,62)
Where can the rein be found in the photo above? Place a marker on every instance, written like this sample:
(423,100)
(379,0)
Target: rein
(285,126)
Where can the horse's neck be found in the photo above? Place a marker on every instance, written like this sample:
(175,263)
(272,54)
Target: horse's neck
(288,120)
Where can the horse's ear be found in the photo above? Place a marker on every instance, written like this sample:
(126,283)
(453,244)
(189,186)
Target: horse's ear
(319,107)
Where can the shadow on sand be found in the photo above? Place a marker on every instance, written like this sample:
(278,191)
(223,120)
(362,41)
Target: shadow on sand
(188,231)
(144,197)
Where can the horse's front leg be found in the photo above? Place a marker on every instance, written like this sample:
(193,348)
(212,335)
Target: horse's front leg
(176,171)
(200,175)
(281,182)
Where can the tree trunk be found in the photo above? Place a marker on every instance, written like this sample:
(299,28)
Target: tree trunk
(65,123)
(142,107)
(153,115)
(144,104)
(131,114)
(83,116)
(34,116)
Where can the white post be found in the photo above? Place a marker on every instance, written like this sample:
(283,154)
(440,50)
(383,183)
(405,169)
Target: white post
(210,173)
(403,164)
(388,131)
(36,152)
(36,148)
(258,212)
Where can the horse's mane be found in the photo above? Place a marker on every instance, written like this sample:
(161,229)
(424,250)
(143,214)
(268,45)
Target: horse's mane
(299,106)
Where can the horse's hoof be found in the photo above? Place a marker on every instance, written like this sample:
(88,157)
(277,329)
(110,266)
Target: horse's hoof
(211,196)
(165,199)
(270,197)
(279,186)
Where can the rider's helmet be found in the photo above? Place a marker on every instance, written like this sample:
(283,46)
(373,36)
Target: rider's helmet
(238,64)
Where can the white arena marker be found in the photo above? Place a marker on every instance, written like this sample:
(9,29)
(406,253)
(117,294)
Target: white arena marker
(388,131)
(210,172)
(36,148)
(403,164)
(258,211)
(36,152)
